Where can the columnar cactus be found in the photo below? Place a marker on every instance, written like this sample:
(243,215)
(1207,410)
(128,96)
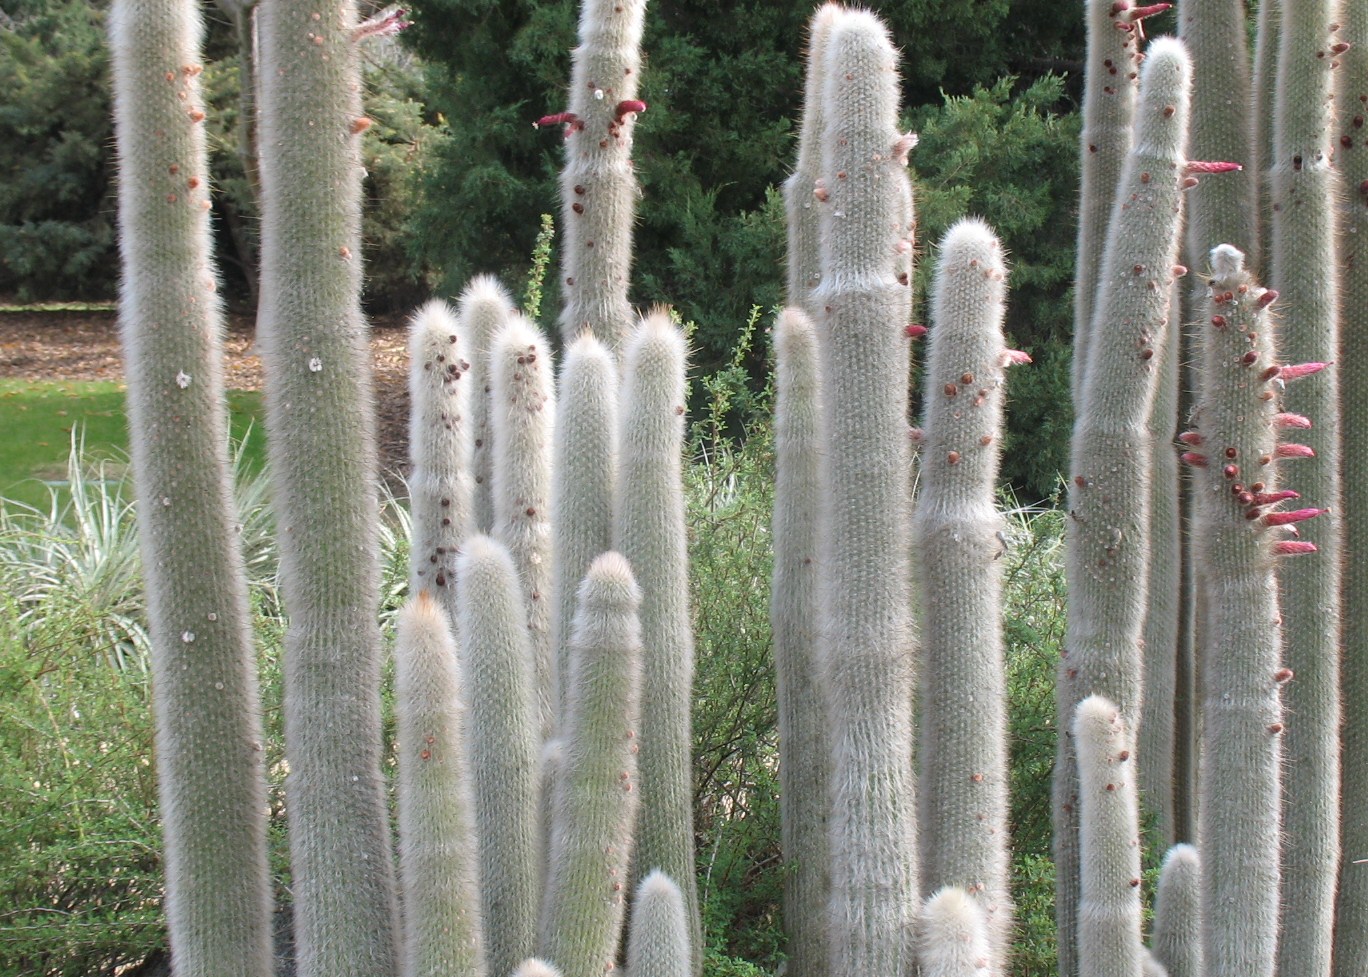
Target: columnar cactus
(954,938)
(1177,937)
(805,184)
(440,446)
(322,451)
(804,761)
(866,627)
(1109,505)
(504,743)
(659,941)
(438,865)
(210,766)
(1351,927)
(1234,448)
(522,418)
(1306,270)
(1110,83)
(484,308)
(583,476)
(596,793)
(960,537)
(1109,843)
(650,533)
(598,187)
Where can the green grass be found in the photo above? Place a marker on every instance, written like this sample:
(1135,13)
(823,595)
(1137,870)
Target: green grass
(39,419)
(58,307)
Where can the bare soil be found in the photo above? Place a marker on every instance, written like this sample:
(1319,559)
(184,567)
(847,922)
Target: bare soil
(85,346)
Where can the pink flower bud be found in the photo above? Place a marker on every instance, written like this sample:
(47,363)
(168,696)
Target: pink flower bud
(915,330)
(383,24)
(569,119)
(1014,357)
(1193,438)
(1195,459)
(634,105)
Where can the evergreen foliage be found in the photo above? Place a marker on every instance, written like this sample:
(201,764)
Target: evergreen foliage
(56,205)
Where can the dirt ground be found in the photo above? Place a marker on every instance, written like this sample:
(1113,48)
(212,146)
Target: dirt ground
(85,346)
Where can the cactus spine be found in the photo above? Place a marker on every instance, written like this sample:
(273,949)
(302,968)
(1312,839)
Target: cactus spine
(959,533)
(650,533)
(504,747)
(1242,714)
(443,934)
(440,485)
(866,628)
(1351,925)
(522,420)
(1109,504)
(658,945)
(954,937)
(1109,843)
(322,451)
(804,763)
(598,187)
(1177,937)
(583,474)
(1306,271)
(211,773)
(596,798)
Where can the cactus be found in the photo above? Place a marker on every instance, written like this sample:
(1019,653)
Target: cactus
(596,792)
(504,746)
(443,933)
(522,418)
(483,310)
(1233,447)
(583,474)
(1109,506)
(954,937)
(1110,82)
(649,532)
(210,766)
(598,188)
(805,184)
(320,419)
(440,444)
(1305,270)
(959,540)
(864,601)
(1109,843)
(1351,927)
(804,766)
(658,945)
(1177,938)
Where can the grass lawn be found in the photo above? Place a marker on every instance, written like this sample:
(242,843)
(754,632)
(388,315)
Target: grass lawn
(37,420)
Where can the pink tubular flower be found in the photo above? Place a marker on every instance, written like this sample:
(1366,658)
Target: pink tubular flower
(1294,547)
(1299,370)
(1272,498)
(1207,166)
(914,330)
(1291,420)
(1015,357)
(1194,458)
(1288,518)
(1293,451)
(634,105)
(384,24)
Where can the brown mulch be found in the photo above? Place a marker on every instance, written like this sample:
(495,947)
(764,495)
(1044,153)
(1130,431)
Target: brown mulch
(85,346)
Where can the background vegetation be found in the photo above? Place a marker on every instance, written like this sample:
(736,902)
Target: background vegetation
(457,178)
